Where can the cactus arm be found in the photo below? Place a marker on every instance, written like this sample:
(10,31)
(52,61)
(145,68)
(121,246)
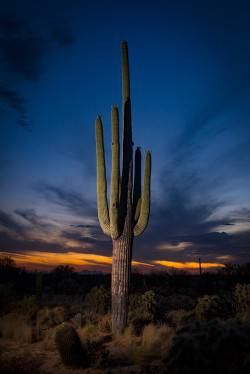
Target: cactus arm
(102,203)
(137,210)
(125,73)
(125,205)
(145,205)
(115,176)
(137,186)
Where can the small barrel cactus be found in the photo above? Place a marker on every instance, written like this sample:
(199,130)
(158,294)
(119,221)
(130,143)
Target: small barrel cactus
(70,348)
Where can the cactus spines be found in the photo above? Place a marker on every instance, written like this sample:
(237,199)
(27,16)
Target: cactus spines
(129,211)
(70,348)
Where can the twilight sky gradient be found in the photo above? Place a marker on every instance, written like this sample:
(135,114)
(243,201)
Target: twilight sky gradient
(60,67)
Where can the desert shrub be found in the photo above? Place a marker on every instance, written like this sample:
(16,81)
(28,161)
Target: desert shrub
(6,291)
(141,310)
(28,306)
(60,300)
(15,327)
(179,317)
(177,301)
(76,308)
(242,298)
(104,324)
(155,341)
(47,318)
(98,300)
(93,344)
(78,320)
(213,306)
(126,342)
(48,342)
(210,347)
(68,287)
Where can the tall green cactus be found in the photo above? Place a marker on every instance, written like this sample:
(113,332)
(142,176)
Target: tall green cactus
(128,215)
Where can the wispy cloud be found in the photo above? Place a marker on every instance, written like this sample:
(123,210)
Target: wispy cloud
(68,198)
(22,56)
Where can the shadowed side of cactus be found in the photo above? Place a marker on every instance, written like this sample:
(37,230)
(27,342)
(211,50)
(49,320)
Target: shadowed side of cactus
(70,348)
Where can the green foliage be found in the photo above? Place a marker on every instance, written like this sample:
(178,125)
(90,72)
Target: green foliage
(98,300)
(68,286)
(178,318)
(213,306)
(141,310)
(70,348)
(28,306)
(93,344)
(210,347)
(242,298)
(47,318)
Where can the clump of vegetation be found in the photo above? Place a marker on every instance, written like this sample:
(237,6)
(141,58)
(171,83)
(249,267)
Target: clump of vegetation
(213,306)
(155,342)
(97,302)
(78,320)
(210,347)
(47,318)
(68,287)
(6,291)
(93,344)
(178,318)
(15,327)
(242,300)
(141,310)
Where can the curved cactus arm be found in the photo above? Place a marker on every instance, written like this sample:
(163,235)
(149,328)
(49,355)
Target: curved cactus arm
(137,185)
(137,210)
(115,176)
(102,202)
(145,205)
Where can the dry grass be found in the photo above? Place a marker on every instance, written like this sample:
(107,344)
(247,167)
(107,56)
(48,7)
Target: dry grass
(155,342)
(14,327)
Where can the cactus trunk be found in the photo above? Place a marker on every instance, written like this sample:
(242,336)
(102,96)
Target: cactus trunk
(128,214)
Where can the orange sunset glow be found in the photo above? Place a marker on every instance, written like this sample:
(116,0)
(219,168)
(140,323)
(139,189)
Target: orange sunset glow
(81,261)
(188,265)
(33,260)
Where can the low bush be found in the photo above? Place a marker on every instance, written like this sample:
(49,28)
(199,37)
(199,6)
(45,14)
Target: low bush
(141,310)
(155,342)
(93,344)
(178,318)
(213,306)
(241,297)
(98,300)
(210,347)
(15,327)
(47,318)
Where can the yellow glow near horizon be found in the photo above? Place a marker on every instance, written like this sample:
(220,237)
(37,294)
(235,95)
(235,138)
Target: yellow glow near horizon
(185,265)
(54,259)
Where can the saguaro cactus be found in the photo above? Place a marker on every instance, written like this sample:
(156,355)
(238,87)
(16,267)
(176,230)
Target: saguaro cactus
(128,215)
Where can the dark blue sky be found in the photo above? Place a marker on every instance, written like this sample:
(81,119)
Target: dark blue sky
(60,67)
